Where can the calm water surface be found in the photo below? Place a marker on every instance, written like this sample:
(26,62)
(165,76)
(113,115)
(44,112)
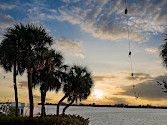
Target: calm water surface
(116,116)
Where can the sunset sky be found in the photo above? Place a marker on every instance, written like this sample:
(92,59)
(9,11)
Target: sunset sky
(93,33)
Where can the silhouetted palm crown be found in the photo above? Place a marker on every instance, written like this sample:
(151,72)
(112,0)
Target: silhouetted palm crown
(24,43)
(79,83)
(49,77)
(10,52)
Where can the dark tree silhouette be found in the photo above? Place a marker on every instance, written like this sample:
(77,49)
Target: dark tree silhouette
(64,79)
(10,58)
(163,55)
(32,41)
(163,84)
(49,78)
(78,85)
(163,51)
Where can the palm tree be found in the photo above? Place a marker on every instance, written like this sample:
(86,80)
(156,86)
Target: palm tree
(32,41)
(163,51)
(163,55)
(78,86)
(10,58)
(36,41)
(65,79)
(49,77)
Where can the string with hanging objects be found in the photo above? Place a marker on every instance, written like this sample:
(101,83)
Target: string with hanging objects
(130,52)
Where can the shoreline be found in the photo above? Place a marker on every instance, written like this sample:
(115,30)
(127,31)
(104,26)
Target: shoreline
(118,106)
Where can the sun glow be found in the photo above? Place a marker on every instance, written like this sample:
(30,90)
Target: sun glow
(98,94)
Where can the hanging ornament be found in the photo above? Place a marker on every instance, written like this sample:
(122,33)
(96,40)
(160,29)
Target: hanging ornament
(130,53)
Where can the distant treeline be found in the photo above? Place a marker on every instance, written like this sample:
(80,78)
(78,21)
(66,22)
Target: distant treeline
(116,105)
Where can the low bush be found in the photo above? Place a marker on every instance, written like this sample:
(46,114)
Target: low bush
(48,120)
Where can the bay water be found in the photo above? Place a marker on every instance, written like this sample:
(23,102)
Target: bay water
(116,116)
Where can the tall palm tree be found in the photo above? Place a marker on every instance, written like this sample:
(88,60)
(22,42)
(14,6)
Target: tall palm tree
(163,51)
(32,41)
(10,58)
(49,77)
(36,40)
(78,86)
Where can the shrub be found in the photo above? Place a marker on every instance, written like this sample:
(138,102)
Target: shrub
(48,120)
(5,107)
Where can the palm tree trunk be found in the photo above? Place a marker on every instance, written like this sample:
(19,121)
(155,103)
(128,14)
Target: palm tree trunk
(15,89)
(68,105)
(29,71)
(43,96)
(58,105)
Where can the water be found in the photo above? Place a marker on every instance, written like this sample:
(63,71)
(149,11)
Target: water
(116,116)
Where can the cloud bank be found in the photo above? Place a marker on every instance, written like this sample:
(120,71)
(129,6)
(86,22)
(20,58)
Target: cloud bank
(69,47)
(147,90)
(106,19)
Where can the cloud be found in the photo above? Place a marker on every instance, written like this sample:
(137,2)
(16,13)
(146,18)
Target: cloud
(70,1)
(38,98)
(22,85)
(35,12)
(158,61)
(5,21)
(104,78)
(38,11)
(117,100)
(69,47)
(106,19)
(147,90)
(6,6)
(139,76)
(152,50)
(122,76)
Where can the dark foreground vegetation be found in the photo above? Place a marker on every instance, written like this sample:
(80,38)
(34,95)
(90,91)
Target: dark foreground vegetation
(8,118)
(48,120)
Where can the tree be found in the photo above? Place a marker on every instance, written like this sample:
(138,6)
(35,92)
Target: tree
(32,42)
(10,59)
(78,85)
(163,51)
(49,78)
(163,84)
(65,78)
(36,41)
(163,55)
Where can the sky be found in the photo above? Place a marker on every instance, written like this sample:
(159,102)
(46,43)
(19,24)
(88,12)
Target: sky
(93,33)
